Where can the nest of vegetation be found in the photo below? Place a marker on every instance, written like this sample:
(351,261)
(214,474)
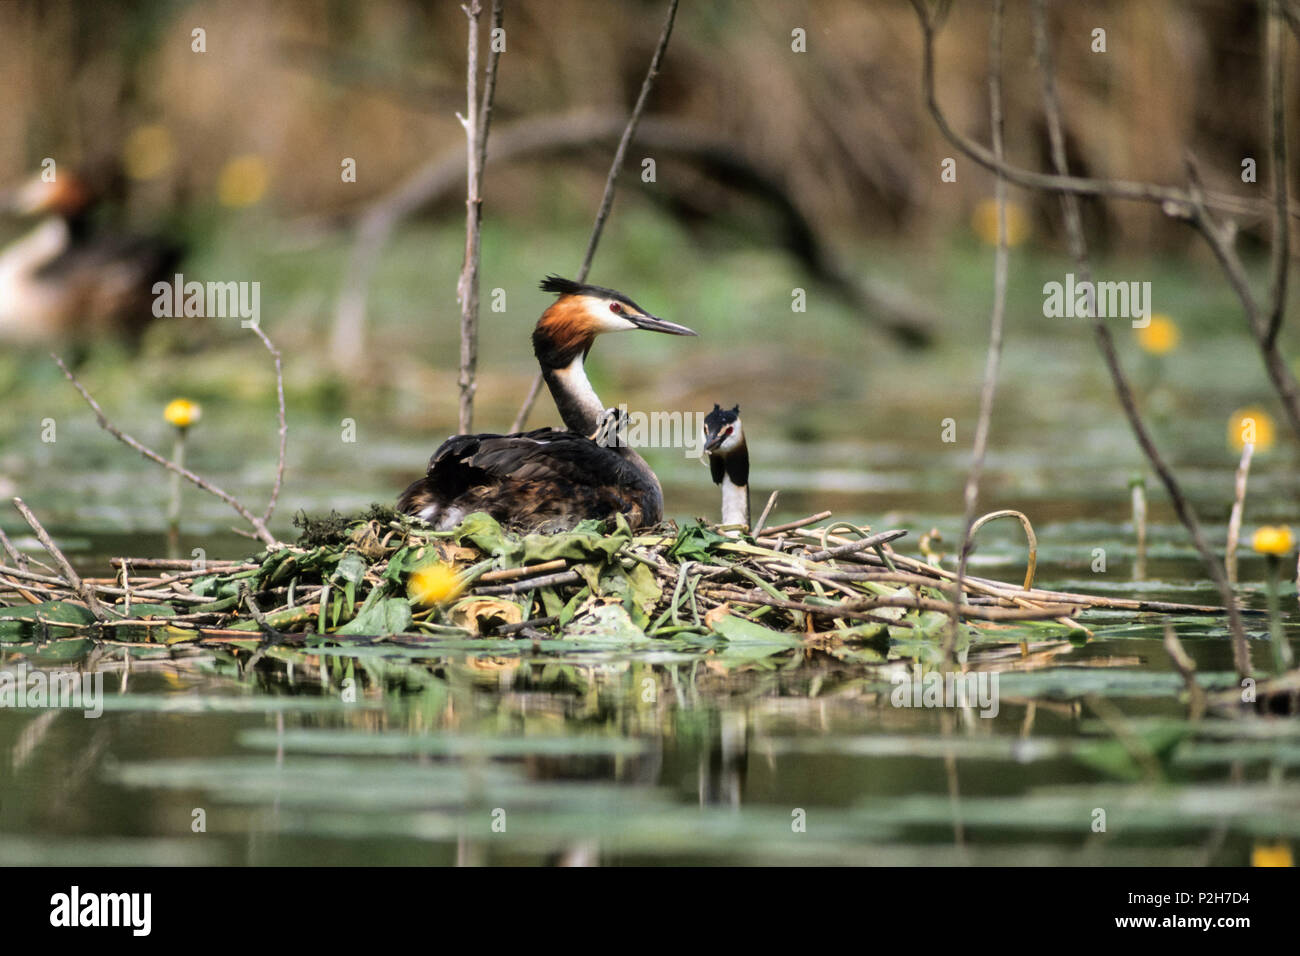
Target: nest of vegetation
(382,577)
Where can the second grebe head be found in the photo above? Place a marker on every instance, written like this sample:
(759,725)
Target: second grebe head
(722,431)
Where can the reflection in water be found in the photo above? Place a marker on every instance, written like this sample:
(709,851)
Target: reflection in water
(484,752)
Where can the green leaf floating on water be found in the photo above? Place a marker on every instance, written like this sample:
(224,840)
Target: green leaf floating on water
(605,624)
(26,626)
(142,609)
(381,619)
(1137,755)
(1066,683)
(739,631)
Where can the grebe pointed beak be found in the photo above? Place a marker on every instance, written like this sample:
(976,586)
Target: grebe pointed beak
(711,442)
(652,324)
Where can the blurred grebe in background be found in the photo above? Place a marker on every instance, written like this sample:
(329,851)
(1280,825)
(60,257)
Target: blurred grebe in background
(74,279)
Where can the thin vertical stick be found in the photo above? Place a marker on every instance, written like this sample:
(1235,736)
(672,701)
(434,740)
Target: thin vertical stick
(467,287)
(284,425)
(607,200)
(1238,506)
(173,500)
(477,121)
(1138,490)
(615,167)
(767,510)
(993,359)
(489,87)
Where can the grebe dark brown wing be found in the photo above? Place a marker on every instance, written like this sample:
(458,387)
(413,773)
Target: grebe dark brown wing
(539,479)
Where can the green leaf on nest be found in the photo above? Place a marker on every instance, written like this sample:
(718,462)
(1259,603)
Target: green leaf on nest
(381,619)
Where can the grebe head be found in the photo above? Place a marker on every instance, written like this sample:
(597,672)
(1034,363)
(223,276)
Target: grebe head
(722,431)
(569,327)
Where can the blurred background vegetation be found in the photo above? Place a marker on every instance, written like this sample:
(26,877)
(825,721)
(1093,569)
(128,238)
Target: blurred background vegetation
(237,152)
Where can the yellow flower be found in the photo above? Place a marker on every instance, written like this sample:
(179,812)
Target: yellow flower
(434,584)
(182,413)
(148,152)
(1277,855)
(242,181)
(1272,539)
(984,220)
(1160,335)
(1252,426)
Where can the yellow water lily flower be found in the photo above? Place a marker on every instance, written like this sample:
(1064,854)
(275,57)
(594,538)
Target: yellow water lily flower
(182,413)
(1160,335)
(148,152)
(243,181)
(1276,855)
(434,584)
(1251,426)
(984,221)
(1273,539)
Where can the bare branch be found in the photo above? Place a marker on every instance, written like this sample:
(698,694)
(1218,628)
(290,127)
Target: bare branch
(1191,205)
(607,200)
(1175,202)
(1079,249)
(1281,259)
(1220,238)
(69,573)
(15,555)
(563,134)
(259,526)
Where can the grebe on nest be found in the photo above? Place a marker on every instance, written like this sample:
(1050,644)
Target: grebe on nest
(547,478)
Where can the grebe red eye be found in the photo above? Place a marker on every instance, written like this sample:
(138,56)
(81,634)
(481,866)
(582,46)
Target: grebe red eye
(615,307)
(727,432)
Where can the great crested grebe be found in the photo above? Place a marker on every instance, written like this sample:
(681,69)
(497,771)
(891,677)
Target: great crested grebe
(548,478)
(724,443)
(71,278)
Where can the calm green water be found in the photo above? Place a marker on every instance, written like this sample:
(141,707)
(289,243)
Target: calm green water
(493,752)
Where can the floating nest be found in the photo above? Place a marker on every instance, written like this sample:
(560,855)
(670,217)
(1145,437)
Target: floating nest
(379,577)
